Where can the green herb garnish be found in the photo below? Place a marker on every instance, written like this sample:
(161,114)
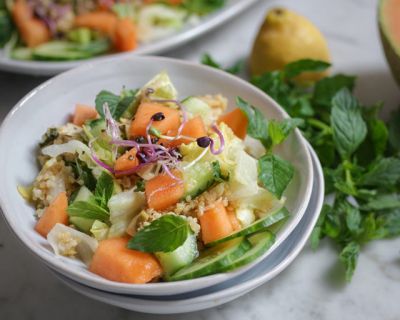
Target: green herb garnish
(162,235)
(360,155)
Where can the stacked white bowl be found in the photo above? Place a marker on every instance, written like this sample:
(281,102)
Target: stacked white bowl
(51,103)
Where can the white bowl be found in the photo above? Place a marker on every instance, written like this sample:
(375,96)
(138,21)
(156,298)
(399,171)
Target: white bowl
(188,33)
(216,295)
(52,102)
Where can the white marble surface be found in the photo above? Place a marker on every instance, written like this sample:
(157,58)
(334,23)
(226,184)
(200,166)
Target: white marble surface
(312,287)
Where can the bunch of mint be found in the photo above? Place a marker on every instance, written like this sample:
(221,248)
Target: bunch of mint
(359,152)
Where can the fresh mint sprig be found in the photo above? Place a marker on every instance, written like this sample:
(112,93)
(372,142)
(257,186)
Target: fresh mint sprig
(359,152)
(164,234)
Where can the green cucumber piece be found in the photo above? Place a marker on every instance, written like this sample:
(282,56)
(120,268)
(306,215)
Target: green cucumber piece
(83,224)
(21,54)
(213,260)
(180,257)
(64,50)
(80,35)
(200,177)
(258,225)
(260,242)
(84,194)
(197,107)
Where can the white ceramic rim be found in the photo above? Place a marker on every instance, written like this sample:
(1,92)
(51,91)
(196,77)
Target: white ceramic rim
(209,23)
(219,297)
(150,288)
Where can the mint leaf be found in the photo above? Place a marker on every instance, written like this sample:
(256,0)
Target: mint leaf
(353,218)
(257,124)
(83,172)
(104,189)
(117,104)
(349,129)
(106,97)
(89,210)
(162,235)
(279,131)
(306,65)
(385,173)
(317,232)
(383,202)
(207,60)
(326,88)
(349,257)
(275,173)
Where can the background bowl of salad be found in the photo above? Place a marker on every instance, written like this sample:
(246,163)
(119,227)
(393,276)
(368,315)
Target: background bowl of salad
(47,37)
(287,163)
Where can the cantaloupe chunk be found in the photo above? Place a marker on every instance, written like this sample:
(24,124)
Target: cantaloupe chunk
(103,21)
(32,30)
(215,223)
(83,113)
(194,128)
(143,116)
(163,191)
(237,121)
(114,261)
(125,38)
(55,213)
(126,162)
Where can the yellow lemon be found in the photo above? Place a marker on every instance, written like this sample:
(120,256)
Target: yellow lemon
(285,37)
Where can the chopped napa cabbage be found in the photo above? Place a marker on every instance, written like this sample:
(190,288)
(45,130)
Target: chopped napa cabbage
(227,159)
(99,230)
(197,107)
(254,147)
(263,202)
(243,179)
(69,242)
(123,207)
(162,86)
(245,215)
(72,146)
(157,21)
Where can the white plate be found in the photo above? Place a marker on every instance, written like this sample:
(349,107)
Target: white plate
(230,290)
(51,103)
(208,23)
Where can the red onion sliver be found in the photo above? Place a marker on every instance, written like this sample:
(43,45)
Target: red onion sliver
(221,141)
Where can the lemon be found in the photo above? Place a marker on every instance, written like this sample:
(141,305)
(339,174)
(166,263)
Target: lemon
(285,37)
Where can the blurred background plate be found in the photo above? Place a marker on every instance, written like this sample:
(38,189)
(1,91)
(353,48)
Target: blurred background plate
(210,297)
(206,24)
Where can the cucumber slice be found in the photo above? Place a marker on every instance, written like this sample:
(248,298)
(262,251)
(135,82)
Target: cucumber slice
(256,226)
(200,177)
(213,260)
(64,50)
(180,257)
(83,224)
(260,242)
(21,54)
(84,194)
(197,107)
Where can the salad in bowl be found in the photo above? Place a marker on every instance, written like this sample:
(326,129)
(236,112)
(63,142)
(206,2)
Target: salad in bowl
(144,186)
(67,30)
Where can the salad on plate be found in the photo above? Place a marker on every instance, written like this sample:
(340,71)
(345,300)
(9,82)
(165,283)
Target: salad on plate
(64,30)
(148,187)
